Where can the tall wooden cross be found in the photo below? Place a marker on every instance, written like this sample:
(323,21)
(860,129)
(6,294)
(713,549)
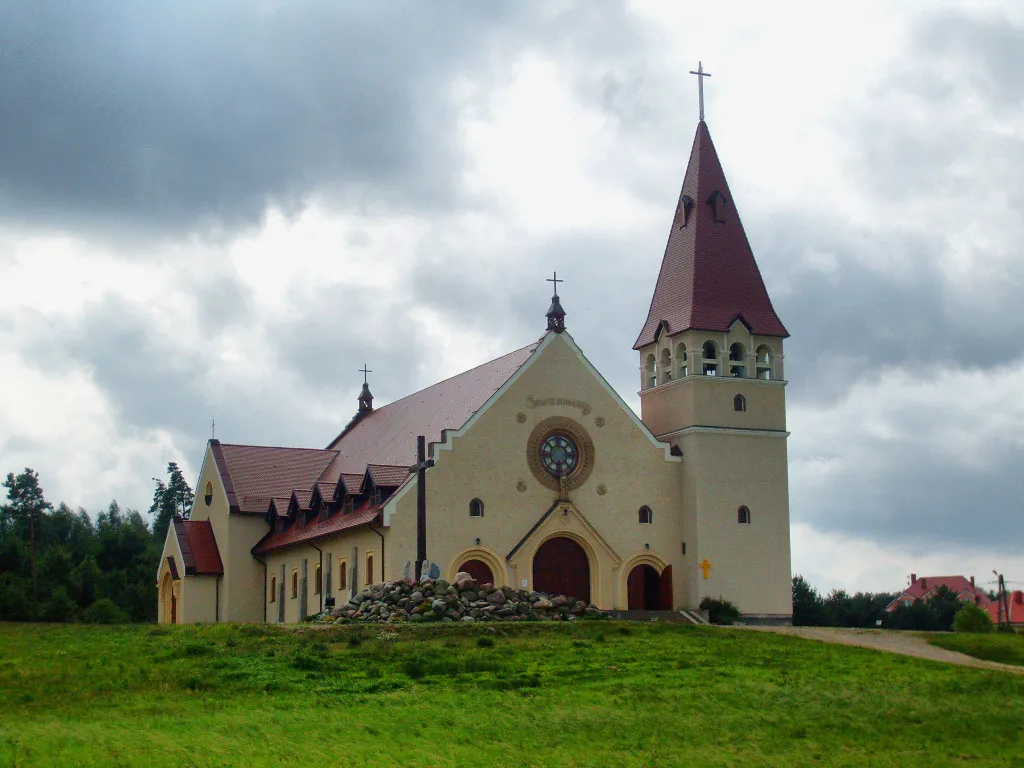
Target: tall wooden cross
(364,370)
(213,429)
(555,281)
(701,74)
(420,468)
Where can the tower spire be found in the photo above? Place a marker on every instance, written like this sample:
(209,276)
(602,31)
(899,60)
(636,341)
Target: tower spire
(708,277)
(555,314)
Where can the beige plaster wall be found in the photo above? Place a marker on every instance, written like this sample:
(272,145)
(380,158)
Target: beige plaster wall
(750,562)
(490,460)
(199,600)
(339,548)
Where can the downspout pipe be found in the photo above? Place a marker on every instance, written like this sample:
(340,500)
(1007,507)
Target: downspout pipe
(382,561)
(314,546)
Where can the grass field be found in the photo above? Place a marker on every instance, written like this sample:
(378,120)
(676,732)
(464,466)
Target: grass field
(589,694)
(1008,649)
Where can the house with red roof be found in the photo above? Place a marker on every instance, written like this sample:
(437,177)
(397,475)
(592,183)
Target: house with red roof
(926,587)
(1011,612)
(531,470)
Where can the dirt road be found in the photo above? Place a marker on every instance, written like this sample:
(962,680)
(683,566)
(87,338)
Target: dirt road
(890,641)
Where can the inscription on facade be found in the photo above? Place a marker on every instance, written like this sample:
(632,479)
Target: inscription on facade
(542,402)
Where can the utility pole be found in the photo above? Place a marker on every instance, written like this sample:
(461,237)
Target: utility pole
(1003,602)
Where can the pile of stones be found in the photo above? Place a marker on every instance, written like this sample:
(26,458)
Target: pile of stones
(462,600)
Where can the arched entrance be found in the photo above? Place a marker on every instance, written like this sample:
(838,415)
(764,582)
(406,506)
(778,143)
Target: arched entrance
(561,567)
(479,570)
(648,590)
(644,589)
(168,601)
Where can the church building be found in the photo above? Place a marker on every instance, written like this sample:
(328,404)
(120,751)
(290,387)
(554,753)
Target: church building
(532,471)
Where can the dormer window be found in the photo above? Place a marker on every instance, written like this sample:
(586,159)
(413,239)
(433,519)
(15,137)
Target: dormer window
(718,202)
(684,209)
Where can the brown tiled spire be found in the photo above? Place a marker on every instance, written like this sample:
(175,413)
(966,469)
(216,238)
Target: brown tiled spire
(708,277)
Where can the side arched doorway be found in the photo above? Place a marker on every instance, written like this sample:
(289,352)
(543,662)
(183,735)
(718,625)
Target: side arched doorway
(648,590)
(168,601)
(479,570)
(561,567)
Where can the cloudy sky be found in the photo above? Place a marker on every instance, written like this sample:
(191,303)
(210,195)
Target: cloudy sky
(221,209)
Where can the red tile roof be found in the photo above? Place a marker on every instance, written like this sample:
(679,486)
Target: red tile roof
(253,474)
(1016,600)
(303,498)
(327,490)
(336,523)
(352,483)
(198,547)
(387,435)
(927,585)
(385,476)
(708,275)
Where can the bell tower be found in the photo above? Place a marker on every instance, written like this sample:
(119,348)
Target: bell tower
(712,383)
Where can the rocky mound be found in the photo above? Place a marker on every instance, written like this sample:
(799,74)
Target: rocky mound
(463,600)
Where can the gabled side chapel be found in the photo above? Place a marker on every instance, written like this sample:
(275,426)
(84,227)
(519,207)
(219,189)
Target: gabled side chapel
(538,474)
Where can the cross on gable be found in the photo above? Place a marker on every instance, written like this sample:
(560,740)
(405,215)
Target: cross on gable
(701,74)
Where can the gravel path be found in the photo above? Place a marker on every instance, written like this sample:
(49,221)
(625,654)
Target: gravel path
(890,641)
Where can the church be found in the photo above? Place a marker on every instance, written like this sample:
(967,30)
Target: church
(530,470)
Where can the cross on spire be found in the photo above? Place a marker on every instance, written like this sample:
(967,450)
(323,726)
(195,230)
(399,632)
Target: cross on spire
(556,281)
(701,74)
(364,370)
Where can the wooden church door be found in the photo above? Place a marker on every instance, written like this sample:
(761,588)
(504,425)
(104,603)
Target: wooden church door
(561,567)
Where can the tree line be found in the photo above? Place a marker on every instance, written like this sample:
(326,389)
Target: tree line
(60,564)
(867,609)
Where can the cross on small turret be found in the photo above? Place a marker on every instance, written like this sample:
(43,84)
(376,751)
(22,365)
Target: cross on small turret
(701,74)
(364,370)
(555,280)
(556,315)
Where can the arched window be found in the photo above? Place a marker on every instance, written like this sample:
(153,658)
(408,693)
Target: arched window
(342,575)
(666,366)
(273,589)
(318,579)
(476,508)
(646,516)
(710,354)
(681,361)
(743,516)
(369,569)
(763,356)
(739,403)
(295,583)
(738,361)
(208,493)
(651,379)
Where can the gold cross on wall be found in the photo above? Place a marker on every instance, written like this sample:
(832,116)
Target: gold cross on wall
(705,565)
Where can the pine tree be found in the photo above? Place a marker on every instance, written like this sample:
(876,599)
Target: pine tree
(174,498)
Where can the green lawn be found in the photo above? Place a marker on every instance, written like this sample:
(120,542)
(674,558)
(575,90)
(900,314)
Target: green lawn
(588,694)
(1009,649)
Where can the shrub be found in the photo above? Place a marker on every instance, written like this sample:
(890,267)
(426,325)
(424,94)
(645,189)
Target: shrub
(720,610)
(104,611)
(484,642)
(972,618)
(60,607)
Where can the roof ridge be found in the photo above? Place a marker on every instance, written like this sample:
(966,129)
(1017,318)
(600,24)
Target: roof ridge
(278,447)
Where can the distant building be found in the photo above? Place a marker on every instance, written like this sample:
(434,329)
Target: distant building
(926,587)
(1016,600)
